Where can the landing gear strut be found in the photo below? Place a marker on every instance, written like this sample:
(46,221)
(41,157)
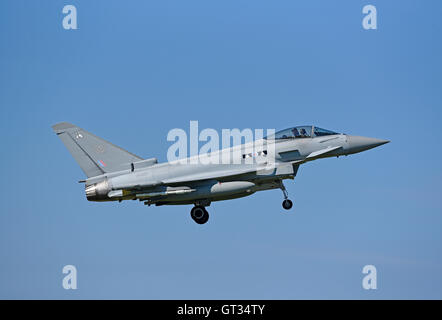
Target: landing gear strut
(199,214)
(287,204)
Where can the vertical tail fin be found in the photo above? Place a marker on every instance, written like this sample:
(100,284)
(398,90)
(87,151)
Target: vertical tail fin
(94,155)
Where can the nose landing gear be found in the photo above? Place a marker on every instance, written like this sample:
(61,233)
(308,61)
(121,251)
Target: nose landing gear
(287,204)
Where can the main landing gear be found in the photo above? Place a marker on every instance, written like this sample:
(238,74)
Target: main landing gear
(199,214)
(287,204)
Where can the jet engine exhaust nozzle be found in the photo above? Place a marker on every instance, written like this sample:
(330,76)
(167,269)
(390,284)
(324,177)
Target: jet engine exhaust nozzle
(97,191)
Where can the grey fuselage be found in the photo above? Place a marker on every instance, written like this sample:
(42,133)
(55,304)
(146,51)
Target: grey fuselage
(195,181)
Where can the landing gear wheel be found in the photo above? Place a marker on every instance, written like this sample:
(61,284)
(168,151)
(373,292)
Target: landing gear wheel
(199,214)
(287,204)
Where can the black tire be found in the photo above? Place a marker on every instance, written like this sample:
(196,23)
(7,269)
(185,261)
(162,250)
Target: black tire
(287,204)
(199,214)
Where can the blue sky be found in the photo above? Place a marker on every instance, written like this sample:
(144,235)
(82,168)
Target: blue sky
(134,70)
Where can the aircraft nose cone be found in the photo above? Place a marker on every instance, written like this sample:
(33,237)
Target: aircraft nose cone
(358,144)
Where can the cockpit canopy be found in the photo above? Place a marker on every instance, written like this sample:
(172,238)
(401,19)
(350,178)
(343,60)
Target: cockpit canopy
(300,132)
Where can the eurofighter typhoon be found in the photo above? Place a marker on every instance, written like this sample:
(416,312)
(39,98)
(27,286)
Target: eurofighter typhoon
(114,174)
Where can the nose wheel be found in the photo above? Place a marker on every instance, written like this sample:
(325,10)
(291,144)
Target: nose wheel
(199,214)
(287,204)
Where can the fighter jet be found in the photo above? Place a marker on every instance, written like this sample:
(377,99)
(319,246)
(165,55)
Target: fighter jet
(114,174)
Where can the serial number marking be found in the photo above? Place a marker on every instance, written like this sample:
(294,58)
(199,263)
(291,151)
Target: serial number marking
(227,309)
